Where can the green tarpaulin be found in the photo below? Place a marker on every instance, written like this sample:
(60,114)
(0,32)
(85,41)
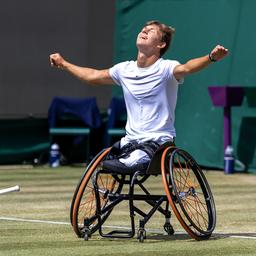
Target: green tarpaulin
(200,25)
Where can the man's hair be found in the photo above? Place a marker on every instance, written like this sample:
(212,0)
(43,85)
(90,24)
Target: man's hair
(167,34)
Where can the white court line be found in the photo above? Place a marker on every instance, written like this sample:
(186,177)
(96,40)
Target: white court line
(243,237)
(68,223)
(35,221)
(117,227)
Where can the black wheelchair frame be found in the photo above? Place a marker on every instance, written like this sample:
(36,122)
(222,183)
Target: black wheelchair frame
(187,192)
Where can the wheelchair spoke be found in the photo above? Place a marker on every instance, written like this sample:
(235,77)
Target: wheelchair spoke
(194,207)
(89,200)
(196,212)
(180,179)
(87,207)
(182,175)
(102,183)
(201,212)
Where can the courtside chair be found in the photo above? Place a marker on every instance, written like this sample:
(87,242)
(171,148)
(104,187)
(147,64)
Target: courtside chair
(73,119)
(117,116)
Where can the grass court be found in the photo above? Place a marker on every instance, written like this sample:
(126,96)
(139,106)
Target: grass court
(35,221)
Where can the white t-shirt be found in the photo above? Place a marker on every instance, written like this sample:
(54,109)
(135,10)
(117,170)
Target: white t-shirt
(150,96)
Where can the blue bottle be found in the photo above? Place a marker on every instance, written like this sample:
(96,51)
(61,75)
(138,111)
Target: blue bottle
(229,160)
(54,155)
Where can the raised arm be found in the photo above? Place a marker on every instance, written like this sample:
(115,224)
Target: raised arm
(197,64)
(88,75)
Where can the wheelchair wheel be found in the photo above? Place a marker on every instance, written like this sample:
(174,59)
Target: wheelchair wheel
(83,207)
(188,193)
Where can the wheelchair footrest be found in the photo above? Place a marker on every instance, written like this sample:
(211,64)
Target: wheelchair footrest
(119,234)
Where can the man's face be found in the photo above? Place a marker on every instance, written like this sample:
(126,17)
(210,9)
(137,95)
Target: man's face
(149,36)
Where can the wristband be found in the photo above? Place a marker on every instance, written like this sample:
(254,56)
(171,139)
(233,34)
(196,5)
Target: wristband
(211,58)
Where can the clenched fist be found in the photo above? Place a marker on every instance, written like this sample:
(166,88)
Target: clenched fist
(56,60)
(218,53)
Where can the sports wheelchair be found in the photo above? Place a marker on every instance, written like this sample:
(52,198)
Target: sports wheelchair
(187,191)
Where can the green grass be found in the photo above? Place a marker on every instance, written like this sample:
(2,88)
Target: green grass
(46,195)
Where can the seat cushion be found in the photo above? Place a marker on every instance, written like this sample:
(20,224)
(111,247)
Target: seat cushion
(114,165)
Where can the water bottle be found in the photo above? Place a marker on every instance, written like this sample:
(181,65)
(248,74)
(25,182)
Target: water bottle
(229,160)
(54,155)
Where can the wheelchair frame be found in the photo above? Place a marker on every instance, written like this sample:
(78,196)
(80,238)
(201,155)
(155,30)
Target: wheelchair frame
(187,192)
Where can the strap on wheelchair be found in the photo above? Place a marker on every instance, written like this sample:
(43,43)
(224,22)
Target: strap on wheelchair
(148,147)
(113,164)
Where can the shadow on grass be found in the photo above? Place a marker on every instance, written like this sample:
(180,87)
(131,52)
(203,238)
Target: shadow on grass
(154,238)
(159,237)
(184,236)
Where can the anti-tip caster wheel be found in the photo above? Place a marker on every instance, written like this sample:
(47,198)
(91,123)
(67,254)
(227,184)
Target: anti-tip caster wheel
(141,235)
(168,228)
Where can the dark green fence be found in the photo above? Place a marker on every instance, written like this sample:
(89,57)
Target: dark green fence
(23,140)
